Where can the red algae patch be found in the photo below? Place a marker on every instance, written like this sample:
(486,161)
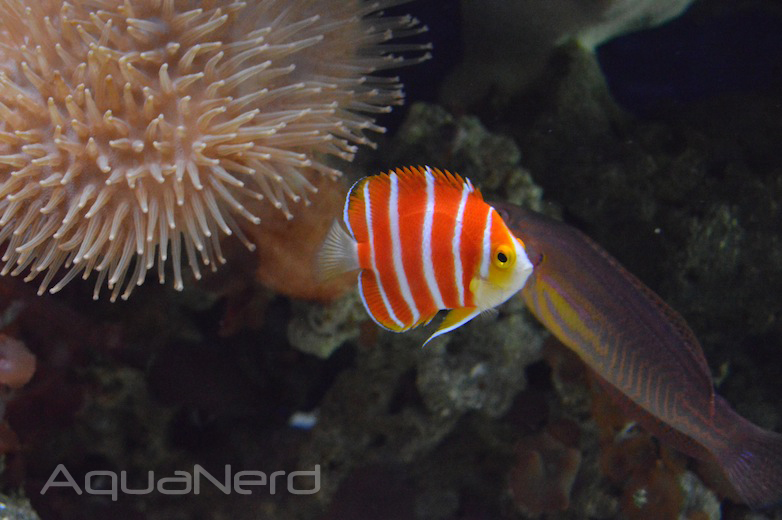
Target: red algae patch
(17,363)
(544,474)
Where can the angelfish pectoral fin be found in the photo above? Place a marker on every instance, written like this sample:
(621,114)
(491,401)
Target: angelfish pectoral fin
(454,319)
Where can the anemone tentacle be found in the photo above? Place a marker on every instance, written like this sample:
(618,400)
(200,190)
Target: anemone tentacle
(132,131)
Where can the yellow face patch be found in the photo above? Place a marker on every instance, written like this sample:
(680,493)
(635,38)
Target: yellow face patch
(503,264)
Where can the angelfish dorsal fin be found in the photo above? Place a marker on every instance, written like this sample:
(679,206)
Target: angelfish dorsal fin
(453,320)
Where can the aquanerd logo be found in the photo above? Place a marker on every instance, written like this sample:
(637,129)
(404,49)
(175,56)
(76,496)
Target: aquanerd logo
(184,483)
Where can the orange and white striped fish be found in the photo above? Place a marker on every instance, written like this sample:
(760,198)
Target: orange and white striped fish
(424,240)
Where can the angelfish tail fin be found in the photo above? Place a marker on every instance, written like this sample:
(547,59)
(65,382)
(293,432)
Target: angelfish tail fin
(338,254)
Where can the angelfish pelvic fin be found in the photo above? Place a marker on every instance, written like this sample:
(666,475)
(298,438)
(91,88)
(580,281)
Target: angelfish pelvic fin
(453,320)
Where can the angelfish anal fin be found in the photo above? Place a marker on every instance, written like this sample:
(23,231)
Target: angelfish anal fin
(453,320)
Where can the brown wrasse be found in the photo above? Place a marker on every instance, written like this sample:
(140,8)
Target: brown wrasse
(644,351)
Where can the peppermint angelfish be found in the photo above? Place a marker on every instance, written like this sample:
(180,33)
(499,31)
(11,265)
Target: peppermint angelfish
(424,240)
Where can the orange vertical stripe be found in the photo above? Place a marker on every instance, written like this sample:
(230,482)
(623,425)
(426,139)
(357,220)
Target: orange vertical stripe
(499,230)
(379,191)
(368,288)
(443,224)
(475,215)
(412,209)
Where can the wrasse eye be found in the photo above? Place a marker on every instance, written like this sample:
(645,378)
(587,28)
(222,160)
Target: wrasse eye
(504,256)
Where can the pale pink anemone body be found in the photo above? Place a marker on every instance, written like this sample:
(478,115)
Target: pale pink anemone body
(133,131)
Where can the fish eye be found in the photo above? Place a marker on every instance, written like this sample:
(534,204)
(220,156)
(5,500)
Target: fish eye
(504,256)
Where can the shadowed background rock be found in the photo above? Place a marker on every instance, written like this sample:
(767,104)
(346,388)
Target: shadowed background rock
(508,43)
(135,130)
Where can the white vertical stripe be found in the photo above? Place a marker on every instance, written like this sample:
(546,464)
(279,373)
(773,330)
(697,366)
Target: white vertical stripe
(456,244)
(345,212)
(383,296)
(486,246)
(396,248)
(426,251)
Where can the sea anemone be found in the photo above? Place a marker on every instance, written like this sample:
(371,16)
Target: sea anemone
(127,126)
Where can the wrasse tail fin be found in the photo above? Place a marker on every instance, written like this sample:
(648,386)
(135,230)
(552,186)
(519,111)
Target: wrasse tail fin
(338,254)
(453,320)
(749,456)
(753,462)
